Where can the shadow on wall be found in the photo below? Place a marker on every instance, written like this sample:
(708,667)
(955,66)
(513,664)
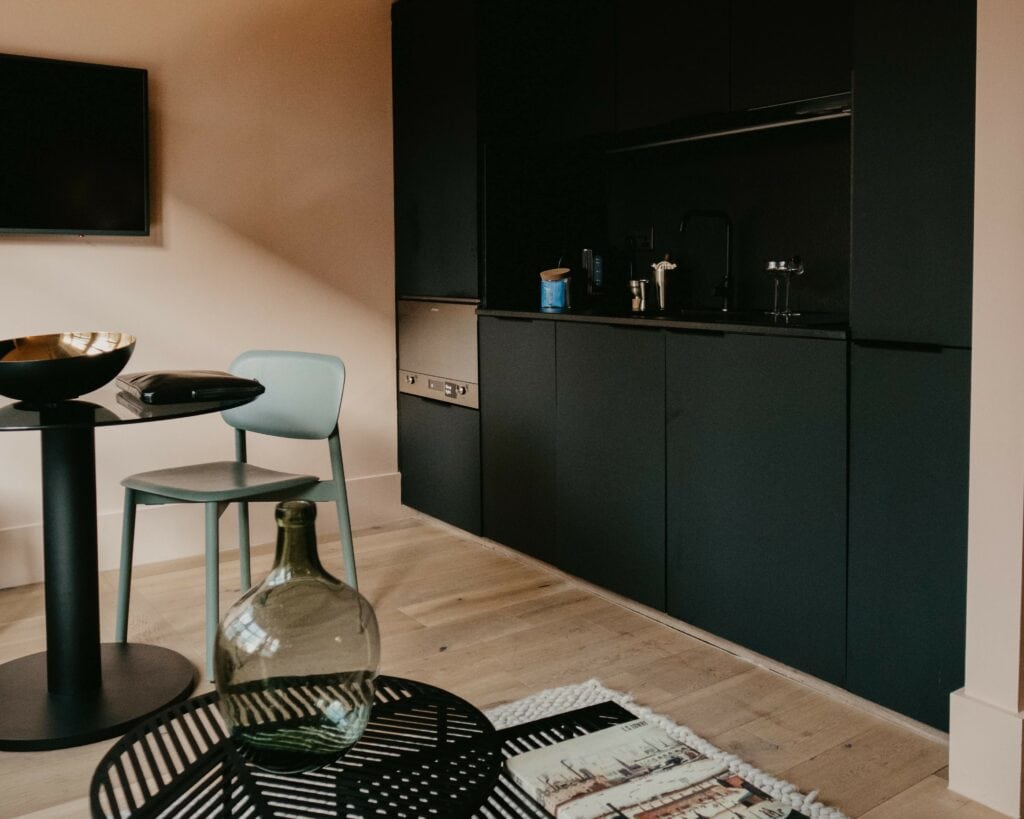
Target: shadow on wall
(279,127)
(272,192)
(271,126)
(272,118)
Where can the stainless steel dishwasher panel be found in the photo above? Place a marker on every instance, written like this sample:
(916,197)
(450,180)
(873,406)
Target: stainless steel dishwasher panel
(437,351)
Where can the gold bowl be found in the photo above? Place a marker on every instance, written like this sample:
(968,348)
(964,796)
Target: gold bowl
(58,366)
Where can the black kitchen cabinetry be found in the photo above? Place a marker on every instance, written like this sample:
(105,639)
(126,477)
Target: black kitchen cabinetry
(752,451)
(756,473)
(684,59)
(517,409)
(435,147)
(671,59)
(439,458)
(546,69)
(789,50)
(909,435)
(910,309)
(611,457)
(913,171)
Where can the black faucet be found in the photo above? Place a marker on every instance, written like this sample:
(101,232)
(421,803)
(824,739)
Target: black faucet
(723,290)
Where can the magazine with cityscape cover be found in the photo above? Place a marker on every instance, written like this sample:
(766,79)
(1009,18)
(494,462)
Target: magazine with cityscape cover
(635,770)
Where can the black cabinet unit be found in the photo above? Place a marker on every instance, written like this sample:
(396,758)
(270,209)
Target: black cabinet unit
(789,50)
(671,60)
(439,458)
(435,147)
(913,171)
(805,497)
(909,413)
(611,458)
(756,473)
(517,408)
(546,69)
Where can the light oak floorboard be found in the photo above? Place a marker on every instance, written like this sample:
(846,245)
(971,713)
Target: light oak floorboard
(930,797)
(493,627)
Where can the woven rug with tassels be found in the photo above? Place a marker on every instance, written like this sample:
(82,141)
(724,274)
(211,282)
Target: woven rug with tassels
(571,697)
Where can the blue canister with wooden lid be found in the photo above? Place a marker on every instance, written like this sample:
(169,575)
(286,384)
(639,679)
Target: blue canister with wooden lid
(554,289)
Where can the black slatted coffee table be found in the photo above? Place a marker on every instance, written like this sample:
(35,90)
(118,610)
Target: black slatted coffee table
(426,753)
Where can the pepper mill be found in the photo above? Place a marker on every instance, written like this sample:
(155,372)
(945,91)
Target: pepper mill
(660,282)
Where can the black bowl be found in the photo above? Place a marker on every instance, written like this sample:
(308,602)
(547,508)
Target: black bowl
(50,368)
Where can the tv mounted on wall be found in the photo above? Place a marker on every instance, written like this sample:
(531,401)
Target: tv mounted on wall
(74,152)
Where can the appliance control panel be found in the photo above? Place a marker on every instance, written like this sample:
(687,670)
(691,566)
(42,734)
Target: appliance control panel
(463,393)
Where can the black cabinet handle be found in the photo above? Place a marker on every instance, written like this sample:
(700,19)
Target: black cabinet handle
(912,346)
(676,331)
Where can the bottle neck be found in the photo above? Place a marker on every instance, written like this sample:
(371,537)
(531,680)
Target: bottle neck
(296,554)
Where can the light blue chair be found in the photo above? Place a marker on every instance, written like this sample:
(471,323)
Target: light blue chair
(302,400)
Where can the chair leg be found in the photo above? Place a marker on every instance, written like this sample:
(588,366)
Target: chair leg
(124,583)
(243,545)
(212,582)
(341,503)
(345,532)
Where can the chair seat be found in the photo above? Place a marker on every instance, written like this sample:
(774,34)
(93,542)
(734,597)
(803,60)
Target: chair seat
(215,481)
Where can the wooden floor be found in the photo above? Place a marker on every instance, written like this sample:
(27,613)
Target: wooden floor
(494,627)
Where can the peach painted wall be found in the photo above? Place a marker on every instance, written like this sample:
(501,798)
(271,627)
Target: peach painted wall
(997,391)
(272,227)
(986,754)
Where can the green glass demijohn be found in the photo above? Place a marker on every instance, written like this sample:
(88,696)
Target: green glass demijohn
(296,657)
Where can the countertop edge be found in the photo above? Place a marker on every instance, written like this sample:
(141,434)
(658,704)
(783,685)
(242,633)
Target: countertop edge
(838,333)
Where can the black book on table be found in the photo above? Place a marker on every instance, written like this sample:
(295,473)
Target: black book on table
(177,386)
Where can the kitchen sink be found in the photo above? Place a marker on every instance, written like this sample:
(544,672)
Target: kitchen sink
(723,315)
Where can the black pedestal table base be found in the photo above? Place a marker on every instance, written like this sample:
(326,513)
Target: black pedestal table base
(79,690)
(138,680)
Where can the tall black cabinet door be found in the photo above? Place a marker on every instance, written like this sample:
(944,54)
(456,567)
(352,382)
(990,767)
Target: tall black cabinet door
(756,477)
(912,215)
(546,69)
(517,421)
(439,458)
(611,458)
(789,50)
(435,119)
(909,434)
(671,60)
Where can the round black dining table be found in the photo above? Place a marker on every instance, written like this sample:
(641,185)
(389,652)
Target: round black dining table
(79,690)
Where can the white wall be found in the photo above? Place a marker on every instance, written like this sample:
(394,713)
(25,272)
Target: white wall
(986,722)
(272,227)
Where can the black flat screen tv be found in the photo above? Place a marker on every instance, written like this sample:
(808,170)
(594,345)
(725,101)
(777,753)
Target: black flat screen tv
(74,152)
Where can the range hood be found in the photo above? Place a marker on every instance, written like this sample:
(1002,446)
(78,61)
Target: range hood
(799,112)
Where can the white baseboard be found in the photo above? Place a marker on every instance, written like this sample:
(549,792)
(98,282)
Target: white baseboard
(985,753)
(169,532)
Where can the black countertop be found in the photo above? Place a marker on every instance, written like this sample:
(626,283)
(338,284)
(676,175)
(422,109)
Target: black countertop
(807,325)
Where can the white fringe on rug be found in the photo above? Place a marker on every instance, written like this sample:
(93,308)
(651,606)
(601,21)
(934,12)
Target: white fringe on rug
(570,697)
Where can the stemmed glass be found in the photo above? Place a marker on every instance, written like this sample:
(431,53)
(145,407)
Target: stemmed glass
(784,270)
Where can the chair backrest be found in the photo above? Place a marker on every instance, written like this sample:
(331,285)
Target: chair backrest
(303,396)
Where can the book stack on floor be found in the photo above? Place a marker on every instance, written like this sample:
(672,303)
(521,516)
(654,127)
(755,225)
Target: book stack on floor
(635,770)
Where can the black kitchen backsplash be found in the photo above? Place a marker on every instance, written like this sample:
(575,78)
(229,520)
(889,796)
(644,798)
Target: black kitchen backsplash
(787,191)
(544,204)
